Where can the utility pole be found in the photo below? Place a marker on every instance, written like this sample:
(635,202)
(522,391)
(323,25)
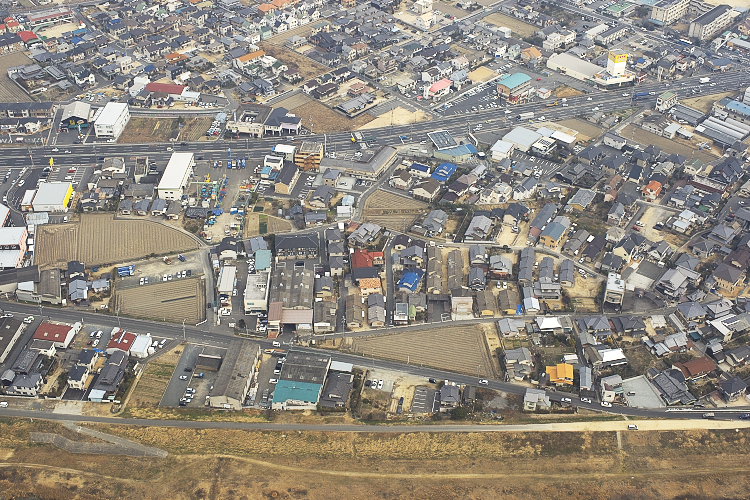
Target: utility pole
(184,337)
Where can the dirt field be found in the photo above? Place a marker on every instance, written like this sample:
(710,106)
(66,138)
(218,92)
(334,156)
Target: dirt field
(320,118)
(214,464)
(653,215)
(450,9)
(380,210)
(514,24)
(585,129)
(706,102)
(565,91)
(171,301)
(685,148)
(9,91)
(154,380)
(98,239)
(460,349)
(398,116)
(273,224)
(140,129)
(306,66)
(316,465)
(482,74)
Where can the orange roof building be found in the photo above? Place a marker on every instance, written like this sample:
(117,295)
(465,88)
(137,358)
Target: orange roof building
(652,190)
(252,56)
(266,8)
(560,374)
(368,286)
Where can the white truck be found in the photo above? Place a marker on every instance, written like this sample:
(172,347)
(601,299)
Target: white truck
(704,79)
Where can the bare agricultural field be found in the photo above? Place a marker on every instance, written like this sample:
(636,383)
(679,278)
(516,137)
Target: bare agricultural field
(171,301)
(144,129)
(153,382)
(451,10)
(100,239)
(683,147)
(566,91)
(319,118)
(306,66)
(706,102)
(460,349)
(515,25)
(392,211)
(9,91)
(585,129)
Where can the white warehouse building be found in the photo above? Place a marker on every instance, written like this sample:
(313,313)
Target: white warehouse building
(111,120)
(176,176)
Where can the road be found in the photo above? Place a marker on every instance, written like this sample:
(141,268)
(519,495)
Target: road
(198,336)
(496,117)
(673,424)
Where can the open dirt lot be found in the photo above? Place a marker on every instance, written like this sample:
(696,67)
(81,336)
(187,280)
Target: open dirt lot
(171,301)
(319,118)
(683,147)
(450,9)
(273,224)
(653,215)
(380,210)
(153,382)
(706,102)
(586,130)
(397,116)
(514,24)
(140,129)
(99,239)
(214,464)
(460,349)
(565,91)
(9,91)
(306,66)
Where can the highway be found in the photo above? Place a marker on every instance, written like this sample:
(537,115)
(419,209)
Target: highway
(494,118)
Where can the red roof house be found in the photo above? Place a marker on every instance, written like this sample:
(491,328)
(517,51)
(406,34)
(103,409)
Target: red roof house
(167,88)
(59,333)
(121,340)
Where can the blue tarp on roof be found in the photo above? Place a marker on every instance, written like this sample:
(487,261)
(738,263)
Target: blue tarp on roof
(411,279)
(444,171)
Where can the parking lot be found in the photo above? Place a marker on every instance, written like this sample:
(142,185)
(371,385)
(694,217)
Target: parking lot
(187,376)
(265,386)
(425,400)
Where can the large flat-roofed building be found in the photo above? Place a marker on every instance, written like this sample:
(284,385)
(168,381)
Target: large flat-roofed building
(365,167)
(573,66)
(309,155)
(10,331)
(515,87)
(615,289)
(256,292)
(176,176)
(55,15)
(301,381)
(111,120)
(667,12)
(710,24)
(52,197)
(235,375)
(12,246)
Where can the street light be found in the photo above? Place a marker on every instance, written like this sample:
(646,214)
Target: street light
(184,338)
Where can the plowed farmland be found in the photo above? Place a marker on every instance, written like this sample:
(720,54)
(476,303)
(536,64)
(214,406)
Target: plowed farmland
(171,301)
(460,349)
(99,239)
(392,210)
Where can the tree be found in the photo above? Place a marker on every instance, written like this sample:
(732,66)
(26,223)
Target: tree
(459,413)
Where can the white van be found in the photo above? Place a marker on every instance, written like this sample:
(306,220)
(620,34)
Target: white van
(632,427)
